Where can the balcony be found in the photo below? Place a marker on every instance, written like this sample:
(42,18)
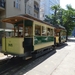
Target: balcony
(2,5)
(36,8)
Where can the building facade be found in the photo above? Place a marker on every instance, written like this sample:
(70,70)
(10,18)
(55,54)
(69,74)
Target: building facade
(17,7)
(2,15)
(45,7)
(10,8)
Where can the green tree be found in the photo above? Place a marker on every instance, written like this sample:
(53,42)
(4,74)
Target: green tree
(53,17)
(55,8)
(68,20)
(64,17)
(48,19)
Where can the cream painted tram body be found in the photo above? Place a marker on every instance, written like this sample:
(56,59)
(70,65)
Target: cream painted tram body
(30,36)
(60,35)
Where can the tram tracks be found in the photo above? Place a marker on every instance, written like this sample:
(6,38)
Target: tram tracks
(16,64)
(4,61)
(12,66)
(15,68)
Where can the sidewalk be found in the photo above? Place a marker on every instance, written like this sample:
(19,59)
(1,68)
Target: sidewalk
(2,56)
(61,63)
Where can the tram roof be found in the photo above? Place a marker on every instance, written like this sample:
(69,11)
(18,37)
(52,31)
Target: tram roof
(21,17)
(59,27)
(15,19)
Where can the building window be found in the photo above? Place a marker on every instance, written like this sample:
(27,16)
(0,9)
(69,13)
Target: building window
(36,15)
(29,9)
(36,6)
(17,4)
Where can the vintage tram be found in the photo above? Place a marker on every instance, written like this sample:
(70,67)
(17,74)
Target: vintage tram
(60,35)
(30,36)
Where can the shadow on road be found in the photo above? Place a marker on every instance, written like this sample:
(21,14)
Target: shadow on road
(62,46)
(34,63)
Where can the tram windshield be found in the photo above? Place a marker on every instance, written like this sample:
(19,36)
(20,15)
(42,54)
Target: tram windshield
(23,30)
(18,31)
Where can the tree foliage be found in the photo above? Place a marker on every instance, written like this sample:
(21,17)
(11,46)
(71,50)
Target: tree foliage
(64,17)
(68,20)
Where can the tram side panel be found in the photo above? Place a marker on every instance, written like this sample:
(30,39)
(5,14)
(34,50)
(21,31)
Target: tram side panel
(12,46)
(40,41)
(27,45)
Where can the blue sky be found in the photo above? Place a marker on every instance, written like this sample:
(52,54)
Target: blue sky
(63,3)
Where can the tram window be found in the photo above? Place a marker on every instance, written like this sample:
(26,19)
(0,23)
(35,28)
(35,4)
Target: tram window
(48,31)
(9,34)
(64,32)
(18,31)
(61,33)
(38,30)
(51,32)
(57,34)
(28,31)
(43,31)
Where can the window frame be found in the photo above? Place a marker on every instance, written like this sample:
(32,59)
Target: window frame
(17,4)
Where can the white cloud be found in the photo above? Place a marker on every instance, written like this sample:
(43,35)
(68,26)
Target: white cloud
(63,3)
